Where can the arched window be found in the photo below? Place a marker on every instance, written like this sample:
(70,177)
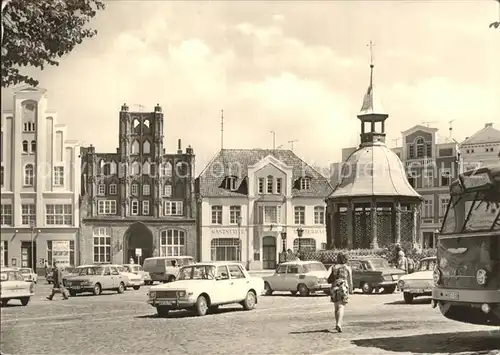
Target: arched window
(33,146)
(181,169)
(112,168)
(172,242)
(225,249)
(166,169)
(135,123)
(136,168)
(29,175)
(25,146)
(135,147)
(146,123)
(306,244)
(146,168)
(146,147)
(106,170)
(420,147)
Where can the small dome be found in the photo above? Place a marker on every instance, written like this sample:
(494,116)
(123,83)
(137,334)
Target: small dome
(373,170)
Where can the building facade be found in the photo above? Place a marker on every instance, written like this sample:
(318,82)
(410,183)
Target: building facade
(252,203)
(40,181)
(482,148)
(138,202)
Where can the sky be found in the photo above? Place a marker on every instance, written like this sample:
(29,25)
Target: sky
(299,68)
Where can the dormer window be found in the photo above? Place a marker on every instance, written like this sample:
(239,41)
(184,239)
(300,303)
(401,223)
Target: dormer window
(230,183)
(305,183)
(270,184)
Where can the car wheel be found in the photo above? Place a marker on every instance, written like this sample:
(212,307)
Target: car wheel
(97,289)
(171,279)
(213,309)
(72,293)
(162,311)
(201,306)
(137,287)
(408,297)
(294,293)
(249,302)
(366,288)
(303,290)
(25,301)
(389,289)
(268,289)
(121,288)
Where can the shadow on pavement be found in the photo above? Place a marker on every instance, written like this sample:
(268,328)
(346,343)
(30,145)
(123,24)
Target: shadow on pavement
(423,300)
(449,343)
(297,295)
(190,314)
(312,331)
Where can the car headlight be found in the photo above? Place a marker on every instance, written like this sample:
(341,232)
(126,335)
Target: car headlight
(436,276)
(181,294)
(401,284)
(87,283)
(482,277)
(152,294)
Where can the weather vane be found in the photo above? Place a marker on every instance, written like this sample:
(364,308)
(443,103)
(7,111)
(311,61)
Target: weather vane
(371,45)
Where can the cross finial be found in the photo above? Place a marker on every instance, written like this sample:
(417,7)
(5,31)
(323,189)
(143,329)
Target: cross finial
(371,45)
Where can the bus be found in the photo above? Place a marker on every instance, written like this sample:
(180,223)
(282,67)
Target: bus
(467,273)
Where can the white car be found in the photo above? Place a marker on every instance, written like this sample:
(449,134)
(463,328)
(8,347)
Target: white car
(419,283)
(13,287)
(131,280)
(138,270)
(28,274)
(205,286)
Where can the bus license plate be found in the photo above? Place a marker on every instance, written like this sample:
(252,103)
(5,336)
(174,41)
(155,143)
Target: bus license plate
(451,295)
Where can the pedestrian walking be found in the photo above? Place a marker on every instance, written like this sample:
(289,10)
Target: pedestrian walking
(58,286)
(402,261)
(341,280)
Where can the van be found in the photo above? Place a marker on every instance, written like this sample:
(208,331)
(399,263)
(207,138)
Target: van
(165,268)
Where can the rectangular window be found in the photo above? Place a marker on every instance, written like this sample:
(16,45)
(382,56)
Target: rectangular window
(106,207)
(443,206)
(2,173)
(134,207)
(225,249)
(61,255)
(145,208)
(59,176)
(172,243)
(134,190)
(174,208)
(270,184)
(319,215)
(412,179)
(445,177)
(216,214)
(428,208)
(146,190)
(261,185)
(300,215)
(101,189)
(28,214)
(272,214)
(112,189)
(4,253)
(234,214)
(59,215)
(102,245)
(278,186)
(428,178)
(6,216)
(167,190)
(305,183)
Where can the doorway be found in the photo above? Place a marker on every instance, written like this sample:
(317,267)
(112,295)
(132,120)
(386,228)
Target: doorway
(269,253)
(27,258)
(138,236)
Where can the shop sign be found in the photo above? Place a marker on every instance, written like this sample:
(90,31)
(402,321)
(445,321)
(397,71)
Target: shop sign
(60,252)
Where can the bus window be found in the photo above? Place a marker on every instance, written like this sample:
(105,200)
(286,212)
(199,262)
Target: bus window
(482,215)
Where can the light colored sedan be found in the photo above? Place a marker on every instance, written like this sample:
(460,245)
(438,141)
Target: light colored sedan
(28,274)
(303,277)
(131,279)
(420,283)
(138,270)
(13,287)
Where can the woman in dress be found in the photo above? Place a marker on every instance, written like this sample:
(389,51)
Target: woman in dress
(341,280)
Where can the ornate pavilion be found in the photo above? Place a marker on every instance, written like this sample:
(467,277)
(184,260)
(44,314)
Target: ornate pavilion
(373,205)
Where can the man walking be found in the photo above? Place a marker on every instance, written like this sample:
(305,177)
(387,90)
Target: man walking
(58,284)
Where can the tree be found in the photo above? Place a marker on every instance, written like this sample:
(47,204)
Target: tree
(39,32)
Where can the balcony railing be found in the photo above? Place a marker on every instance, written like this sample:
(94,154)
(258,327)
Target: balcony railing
(420,162)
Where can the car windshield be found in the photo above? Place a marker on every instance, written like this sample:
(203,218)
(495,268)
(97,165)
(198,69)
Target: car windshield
(121,269)
(201,272)
(375,264)
(9,276)
(25,271)
(93,270)
(427,265)
(314,267)
(127,268)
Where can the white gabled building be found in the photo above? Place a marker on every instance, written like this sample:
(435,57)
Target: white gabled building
(40,182)
(482,148)
(247,199)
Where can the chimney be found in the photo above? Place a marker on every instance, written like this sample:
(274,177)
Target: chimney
(488,125)
(179,147)
(189,150)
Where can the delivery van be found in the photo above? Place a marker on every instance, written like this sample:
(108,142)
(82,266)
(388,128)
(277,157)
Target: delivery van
(165,268)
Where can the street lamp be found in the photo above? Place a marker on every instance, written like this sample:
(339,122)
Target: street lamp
(300,231)
(32,230)
(239,237)
(283,240)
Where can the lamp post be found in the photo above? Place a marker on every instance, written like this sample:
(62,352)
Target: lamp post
(300,231)
(283,240)
(32,256)
(239,237)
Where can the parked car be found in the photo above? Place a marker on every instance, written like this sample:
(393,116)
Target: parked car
(204,287)
(419,283)
(138,270)
(95,279)
(28,274)
(372,273)
(303,277)
(70,272)
(131,279)
(14,287)
(166,268)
